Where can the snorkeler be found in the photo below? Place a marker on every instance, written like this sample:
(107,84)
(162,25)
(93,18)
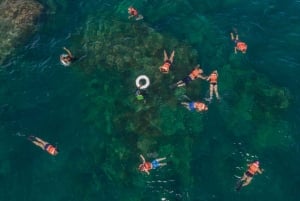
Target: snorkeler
(147,166)
(195,106)
(44,145)
(66,59)
(196,73)
(253,168)
(133,13)
(239,45)
(213,86)
(167,62)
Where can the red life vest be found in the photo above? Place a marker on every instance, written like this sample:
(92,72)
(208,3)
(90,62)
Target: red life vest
(132,11)
(165,67)
(145,166)
(241,46)
(51,150)
(253,168)
(200,106)
(195,73)
(213,78)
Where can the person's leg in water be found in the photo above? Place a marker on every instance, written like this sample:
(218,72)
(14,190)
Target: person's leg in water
(241,182)
(184,81)
(211,91)
(190,106)
(37,141)
(186,105)
(244,177)
(172,56)
(235,40)
(160,159)
(247,181)
(232,37)
(165,56)
(216,92)
(180,83)
(40,140)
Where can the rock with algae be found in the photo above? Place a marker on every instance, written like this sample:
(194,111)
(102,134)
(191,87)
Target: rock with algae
(122,51)
(131,49)
(17,20)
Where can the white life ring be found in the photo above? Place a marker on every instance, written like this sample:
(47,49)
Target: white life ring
(138,80)
(64,62)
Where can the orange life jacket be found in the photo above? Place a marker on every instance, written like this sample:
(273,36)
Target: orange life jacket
(213,78)
(199,106)
(253,168)
(195,73)
(165,67)
(241,46)
(51,150)
(147,166)
(132,11)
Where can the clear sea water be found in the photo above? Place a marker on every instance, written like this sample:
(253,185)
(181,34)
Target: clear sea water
(89,111)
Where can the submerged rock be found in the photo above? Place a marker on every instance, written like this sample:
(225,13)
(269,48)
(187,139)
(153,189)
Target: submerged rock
(121,51)
(17,20)
(134,48)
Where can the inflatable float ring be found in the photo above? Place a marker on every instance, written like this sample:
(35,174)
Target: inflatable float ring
(142,86)
(63,62)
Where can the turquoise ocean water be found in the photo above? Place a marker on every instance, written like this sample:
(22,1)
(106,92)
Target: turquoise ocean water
(89,110)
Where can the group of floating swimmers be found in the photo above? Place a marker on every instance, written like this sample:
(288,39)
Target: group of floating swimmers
(198,106)
(253,169)
(197,72)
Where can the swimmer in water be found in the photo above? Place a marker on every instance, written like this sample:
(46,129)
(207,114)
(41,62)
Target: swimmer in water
(66,59)
(133,13)
(253,169)
(196,73)
(52,150)
(147,166)
(239,45)
(167,62)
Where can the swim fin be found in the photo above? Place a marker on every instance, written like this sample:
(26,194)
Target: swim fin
(173,86)
(239,185)
(31,138)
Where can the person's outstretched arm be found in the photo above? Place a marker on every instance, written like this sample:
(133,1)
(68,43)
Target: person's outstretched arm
(68,51)
(260,171)
(142,157)
(202,77)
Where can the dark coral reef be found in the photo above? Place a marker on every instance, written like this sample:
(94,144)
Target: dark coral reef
(17,20)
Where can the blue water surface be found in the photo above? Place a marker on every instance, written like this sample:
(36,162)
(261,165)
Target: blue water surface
(88,113)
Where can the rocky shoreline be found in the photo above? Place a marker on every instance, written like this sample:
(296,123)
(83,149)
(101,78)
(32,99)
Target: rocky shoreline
(17,21)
